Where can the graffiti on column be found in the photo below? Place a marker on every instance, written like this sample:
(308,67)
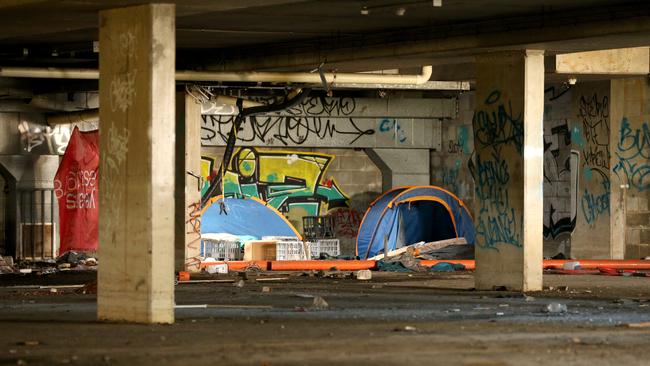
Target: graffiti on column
(591,136)
(291,181)
(499,133)
(632,155)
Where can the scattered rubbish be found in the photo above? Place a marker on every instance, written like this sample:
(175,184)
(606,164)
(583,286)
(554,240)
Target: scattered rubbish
(447,267)
(220,268)
(183,276)
(305,296)
(576,340)
(623,302)
(363,275)
(64,266)
(91,261)
(266,289)
(638,325)
(587,291)
(424,248)
(239,284)
(503,305)
(377,286)
(529,298)
(89,288)
(406,328)
(319,303)
(271,279)
(30,343)
(215,306)
(454,310)
(571,265)
(71,257)
(500,314)
(563,288)
(6,264)
(25,270)
(54,290)
(555,308)
(208,281)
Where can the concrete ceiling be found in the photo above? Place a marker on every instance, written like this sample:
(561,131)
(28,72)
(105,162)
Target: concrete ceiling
(298,34)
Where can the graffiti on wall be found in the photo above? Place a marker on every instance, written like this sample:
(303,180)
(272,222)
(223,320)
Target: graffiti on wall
(560,172)
(291,181)
(591,136)
(498,132)
(313,118)
(632,155)
(461,144)
(43,139)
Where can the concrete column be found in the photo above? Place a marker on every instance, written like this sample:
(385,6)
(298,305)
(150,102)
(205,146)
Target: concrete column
(188,189)
(136,217)
(508,170)
(401,167)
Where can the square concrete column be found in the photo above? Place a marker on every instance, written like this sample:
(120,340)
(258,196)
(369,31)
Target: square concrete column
(508,170)
(136,217)
(188,189)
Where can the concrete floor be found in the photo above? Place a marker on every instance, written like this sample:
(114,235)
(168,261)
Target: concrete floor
(365,322)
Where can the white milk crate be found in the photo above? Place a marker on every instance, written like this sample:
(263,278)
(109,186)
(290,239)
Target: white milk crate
(223,250)
(290,251)
(330,246)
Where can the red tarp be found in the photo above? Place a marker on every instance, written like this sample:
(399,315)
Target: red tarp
(76,187)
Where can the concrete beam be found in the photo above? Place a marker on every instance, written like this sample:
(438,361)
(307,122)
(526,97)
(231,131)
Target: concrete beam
(619,25)
(624,61)
(136,217)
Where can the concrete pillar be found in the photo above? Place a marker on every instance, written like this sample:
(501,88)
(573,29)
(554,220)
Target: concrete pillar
(401,167)
(136,217)
(508,170)
(188,189)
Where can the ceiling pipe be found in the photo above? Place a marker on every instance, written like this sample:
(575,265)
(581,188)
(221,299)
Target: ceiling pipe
(251,76)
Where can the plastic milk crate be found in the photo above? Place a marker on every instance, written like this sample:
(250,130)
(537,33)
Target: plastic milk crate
(224,250)
(290,250)
(329,246)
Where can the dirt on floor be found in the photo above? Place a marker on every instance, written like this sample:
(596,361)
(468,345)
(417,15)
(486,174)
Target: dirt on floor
(295,319)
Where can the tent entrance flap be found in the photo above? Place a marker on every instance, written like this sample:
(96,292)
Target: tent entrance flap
(426,221)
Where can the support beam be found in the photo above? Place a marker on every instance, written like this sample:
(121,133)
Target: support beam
(623,61)
(508,170)
(188,188)
(136,219)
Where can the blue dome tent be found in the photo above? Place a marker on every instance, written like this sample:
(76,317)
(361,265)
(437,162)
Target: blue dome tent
(407,215)
(244,217)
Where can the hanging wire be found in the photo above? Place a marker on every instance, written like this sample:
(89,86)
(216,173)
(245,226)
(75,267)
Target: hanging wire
(200,94)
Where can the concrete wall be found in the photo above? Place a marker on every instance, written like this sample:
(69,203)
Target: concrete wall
(336,182)
(630,166)
(449,165)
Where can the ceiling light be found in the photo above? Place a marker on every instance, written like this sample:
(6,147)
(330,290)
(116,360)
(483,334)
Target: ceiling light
(400,12)
(437,3)
(365,11)
(572,81)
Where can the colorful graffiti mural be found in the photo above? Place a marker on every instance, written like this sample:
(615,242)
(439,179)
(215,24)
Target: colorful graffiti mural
(293,182)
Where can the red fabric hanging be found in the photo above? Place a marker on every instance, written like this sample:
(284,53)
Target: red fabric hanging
(76,188)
